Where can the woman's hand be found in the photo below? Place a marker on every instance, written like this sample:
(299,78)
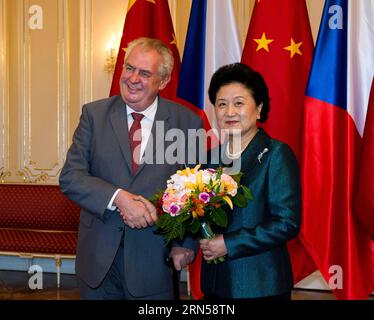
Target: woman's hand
(135,211)
(213,248)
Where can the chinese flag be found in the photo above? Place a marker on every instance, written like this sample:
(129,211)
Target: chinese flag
(279,45)
(148,18)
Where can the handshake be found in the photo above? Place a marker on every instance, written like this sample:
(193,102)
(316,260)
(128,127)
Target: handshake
(135,210)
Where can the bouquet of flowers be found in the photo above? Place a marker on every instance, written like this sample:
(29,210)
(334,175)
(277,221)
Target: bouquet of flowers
(196,199)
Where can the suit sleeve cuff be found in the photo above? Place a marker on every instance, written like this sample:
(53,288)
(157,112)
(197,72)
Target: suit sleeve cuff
(110,204)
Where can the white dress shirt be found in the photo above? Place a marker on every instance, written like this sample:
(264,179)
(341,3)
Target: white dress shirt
(146,123)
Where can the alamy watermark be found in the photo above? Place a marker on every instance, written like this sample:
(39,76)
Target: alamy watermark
(175,146)
(36,280)
(336,278)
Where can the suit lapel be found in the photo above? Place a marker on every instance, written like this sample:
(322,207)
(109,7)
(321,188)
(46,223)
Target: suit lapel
(118,119)
(154,144)
(256,150)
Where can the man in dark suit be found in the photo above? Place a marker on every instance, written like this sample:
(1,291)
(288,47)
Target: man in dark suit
(117,159)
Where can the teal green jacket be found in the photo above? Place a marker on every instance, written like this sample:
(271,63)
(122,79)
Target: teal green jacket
(258,263)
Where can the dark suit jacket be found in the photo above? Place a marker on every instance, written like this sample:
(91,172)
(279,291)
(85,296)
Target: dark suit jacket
(98,163)
(258,264)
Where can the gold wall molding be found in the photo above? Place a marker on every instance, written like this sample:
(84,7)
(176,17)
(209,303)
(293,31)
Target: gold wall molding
(63,89)
(4,175)
(28,176)
(86,51)
(32,102)
(4,87)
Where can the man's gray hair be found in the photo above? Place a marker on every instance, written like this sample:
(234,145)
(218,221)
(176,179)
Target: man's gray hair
(148,44)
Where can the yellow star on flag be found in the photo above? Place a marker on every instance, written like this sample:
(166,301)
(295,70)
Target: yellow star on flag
(132,2)
(294,48)
(174,41)
(263,43)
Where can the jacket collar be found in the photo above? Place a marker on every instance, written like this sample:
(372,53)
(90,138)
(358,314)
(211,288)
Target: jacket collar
(256,150)
(118,119)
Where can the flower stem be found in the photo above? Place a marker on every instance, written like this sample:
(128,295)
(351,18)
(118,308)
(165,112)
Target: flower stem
(206,231)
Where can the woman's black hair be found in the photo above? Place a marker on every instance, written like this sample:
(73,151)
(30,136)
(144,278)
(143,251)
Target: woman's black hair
(243,74)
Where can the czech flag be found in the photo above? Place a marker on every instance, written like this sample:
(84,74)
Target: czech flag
(335,116)
(212,41)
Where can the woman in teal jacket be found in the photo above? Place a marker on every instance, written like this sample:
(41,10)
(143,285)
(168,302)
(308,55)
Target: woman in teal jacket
(257,263)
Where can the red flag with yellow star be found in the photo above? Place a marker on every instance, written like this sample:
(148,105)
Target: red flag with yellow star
(279,45)
(148,18)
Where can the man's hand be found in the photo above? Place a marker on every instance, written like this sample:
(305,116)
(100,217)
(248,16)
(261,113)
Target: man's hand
(213,248)
(133,211)
(181,257)
(150,207)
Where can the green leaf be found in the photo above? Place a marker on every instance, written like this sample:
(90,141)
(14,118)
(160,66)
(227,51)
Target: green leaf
(219,172)
(219,217)
(215,199)
(237,177)
(156,197)
(247,193)
(239,200)
(162,221)
(171,227)
(194,226)
(216,261)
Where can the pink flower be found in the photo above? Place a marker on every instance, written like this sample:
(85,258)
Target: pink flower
(174,209)
(204,197)
(165,195)
(212,194)
(172,203)
(229,185)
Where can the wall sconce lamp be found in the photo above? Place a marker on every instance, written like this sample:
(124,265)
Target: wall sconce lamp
(111,55)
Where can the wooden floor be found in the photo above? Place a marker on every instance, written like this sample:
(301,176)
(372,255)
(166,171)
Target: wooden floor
(14,286)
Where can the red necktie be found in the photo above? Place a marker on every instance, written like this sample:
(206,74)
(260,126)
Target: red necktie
(135,136)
